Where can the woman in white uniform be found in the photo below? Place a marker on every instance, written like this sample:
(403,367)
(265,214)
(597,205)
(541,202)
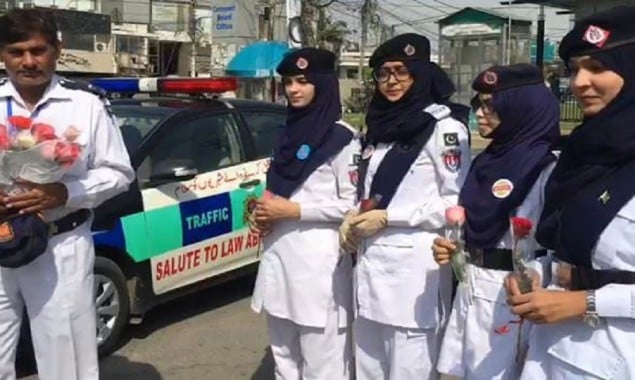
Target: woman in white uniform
(586,317)
(302,285)
(412,167)
(521,117)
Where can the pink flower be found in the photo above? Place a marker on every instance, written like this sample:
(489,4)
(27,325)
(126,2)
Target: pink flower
(521,227)
(66,153)
(267,195)
(48,151)
(20,122)
(71,133)
(5,143)
(43,132)
(455,215)
(4,137)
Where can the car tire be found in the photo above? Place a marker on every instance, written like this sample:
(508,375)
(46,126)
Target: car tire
(112,304)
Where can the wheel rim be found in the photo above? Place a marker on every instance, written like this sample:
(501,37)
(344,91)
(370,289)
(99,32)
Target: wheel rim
(107,307)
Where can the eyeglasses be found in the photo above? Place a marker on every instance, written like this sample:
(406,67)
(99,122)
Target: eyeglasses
(486,104)
(383,74)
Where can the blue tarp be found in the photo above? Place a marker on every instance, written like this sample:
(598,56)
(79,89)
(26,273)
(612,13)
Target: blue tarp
(258,60)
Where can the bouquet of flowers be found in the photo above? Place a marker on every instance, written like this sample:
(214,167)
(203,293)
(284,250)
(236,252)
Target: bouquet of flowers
(454,219)
(33,152)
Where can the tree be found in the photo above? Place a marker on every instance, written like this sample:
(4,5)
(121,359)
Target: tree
(330,35)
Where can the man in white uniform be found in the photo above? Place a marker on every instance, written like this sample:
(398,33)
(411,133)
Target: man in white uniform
(54,284)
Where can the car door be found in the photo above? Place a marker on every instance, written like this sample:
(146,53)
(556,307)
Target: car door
(197,189)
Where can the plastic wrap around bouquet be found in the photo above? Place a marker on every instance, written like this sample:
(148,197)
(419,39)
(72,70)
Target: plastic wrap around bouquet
(30,152)
(33,152)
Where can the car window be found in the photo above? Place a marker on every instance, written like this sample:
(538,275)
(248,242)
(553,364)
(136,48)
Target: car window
(136,121)
(205,144)
(264,127)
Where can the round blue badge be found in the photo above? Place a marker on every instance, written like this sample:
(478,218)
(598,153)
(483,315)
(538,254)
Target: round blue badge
(303,152)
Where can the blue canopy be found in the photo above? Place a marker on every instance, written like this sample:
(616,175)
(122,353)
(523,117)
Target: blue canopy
(258,60)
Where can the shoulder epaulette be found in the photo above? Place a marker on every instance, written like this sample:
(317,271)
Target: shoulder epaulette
(3,81)
(72,85)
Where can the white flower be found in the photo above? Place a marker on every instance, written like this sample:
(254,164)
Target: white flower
(25,140)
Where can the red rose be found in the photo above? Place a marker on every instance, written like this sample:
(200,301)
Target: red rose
(20,122)
(67,153)
(521,227)
(43,132)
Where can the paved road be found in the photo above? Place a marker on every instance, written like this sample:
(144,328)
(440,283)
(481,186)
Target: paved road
(211,335)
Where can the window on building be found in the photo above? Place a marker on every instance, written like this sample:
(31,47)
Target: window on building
(80,5)
(171,17)
(130,44)
(78,41)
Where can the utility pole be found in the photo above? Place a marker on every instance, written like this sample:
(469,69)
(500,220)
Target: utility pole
(365,17)
(211,38)
(540,38)
(270,11)
(307,14)
(192,31)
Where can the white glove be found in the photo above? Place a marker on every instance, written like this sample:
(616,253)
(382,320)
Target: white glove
(369,223)
(348,241)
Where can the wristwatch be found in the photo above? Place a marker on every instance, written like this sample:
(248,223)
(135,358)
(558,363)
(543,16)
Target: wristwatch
(591,317)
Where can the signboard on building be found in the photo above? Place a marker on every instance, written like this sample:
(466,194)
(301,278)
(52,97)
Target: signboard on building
(228,22)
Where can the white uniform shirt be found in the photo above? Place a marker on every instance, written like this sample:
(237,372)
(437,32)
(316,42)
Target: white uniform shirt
(299,278)
(103,169)
(397,279)
(574,350)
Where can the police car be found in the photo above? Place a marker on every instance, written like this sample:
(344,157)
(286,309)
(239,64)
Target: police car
(200,165)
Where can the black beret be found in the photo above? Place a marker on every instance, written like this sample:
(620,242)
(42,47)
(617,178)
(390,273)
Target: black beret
(499,78)
(599,32)
(409,46)
(307,60)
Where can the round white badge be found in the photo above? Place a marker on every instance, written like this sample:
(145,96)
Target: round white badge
(502,188)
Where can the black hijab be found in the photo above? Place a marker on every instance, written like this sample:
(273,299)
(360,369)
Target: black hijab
(403,122)
(311,135)
(594,176)
(519,151)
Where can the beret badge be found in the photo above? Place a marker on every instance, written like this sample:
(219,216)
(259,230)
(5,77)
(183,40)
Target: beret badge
(490,78)
(302,63)
(596,35)
(409,50)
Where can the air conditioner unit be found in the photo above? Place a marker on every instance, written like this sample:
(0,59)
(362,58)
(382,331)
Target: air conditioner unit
(101,47)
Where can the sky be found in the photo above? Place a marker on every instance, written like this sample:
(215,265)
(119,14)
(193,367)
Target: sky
(423,14)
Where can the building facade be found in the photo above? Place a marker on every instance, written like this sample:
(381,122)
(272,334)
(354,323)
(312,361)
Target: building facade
(157,37)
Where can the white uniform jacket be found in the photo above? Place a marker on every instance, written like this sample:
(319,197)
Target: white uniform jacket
(57,288)
(299,278)
(574,350)
(397,279)
(480,338)
(103,169)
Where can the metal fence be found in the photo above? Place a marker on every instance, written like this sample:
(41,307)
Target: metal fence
(569,108)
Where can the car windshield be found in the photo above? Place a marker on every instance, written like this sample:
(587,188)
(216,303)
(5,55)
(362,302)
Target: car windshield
(136,121)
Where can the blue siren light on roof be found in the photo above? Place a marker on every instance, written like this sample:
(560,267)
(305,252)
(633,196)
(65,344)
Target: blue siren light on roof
(166,85)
